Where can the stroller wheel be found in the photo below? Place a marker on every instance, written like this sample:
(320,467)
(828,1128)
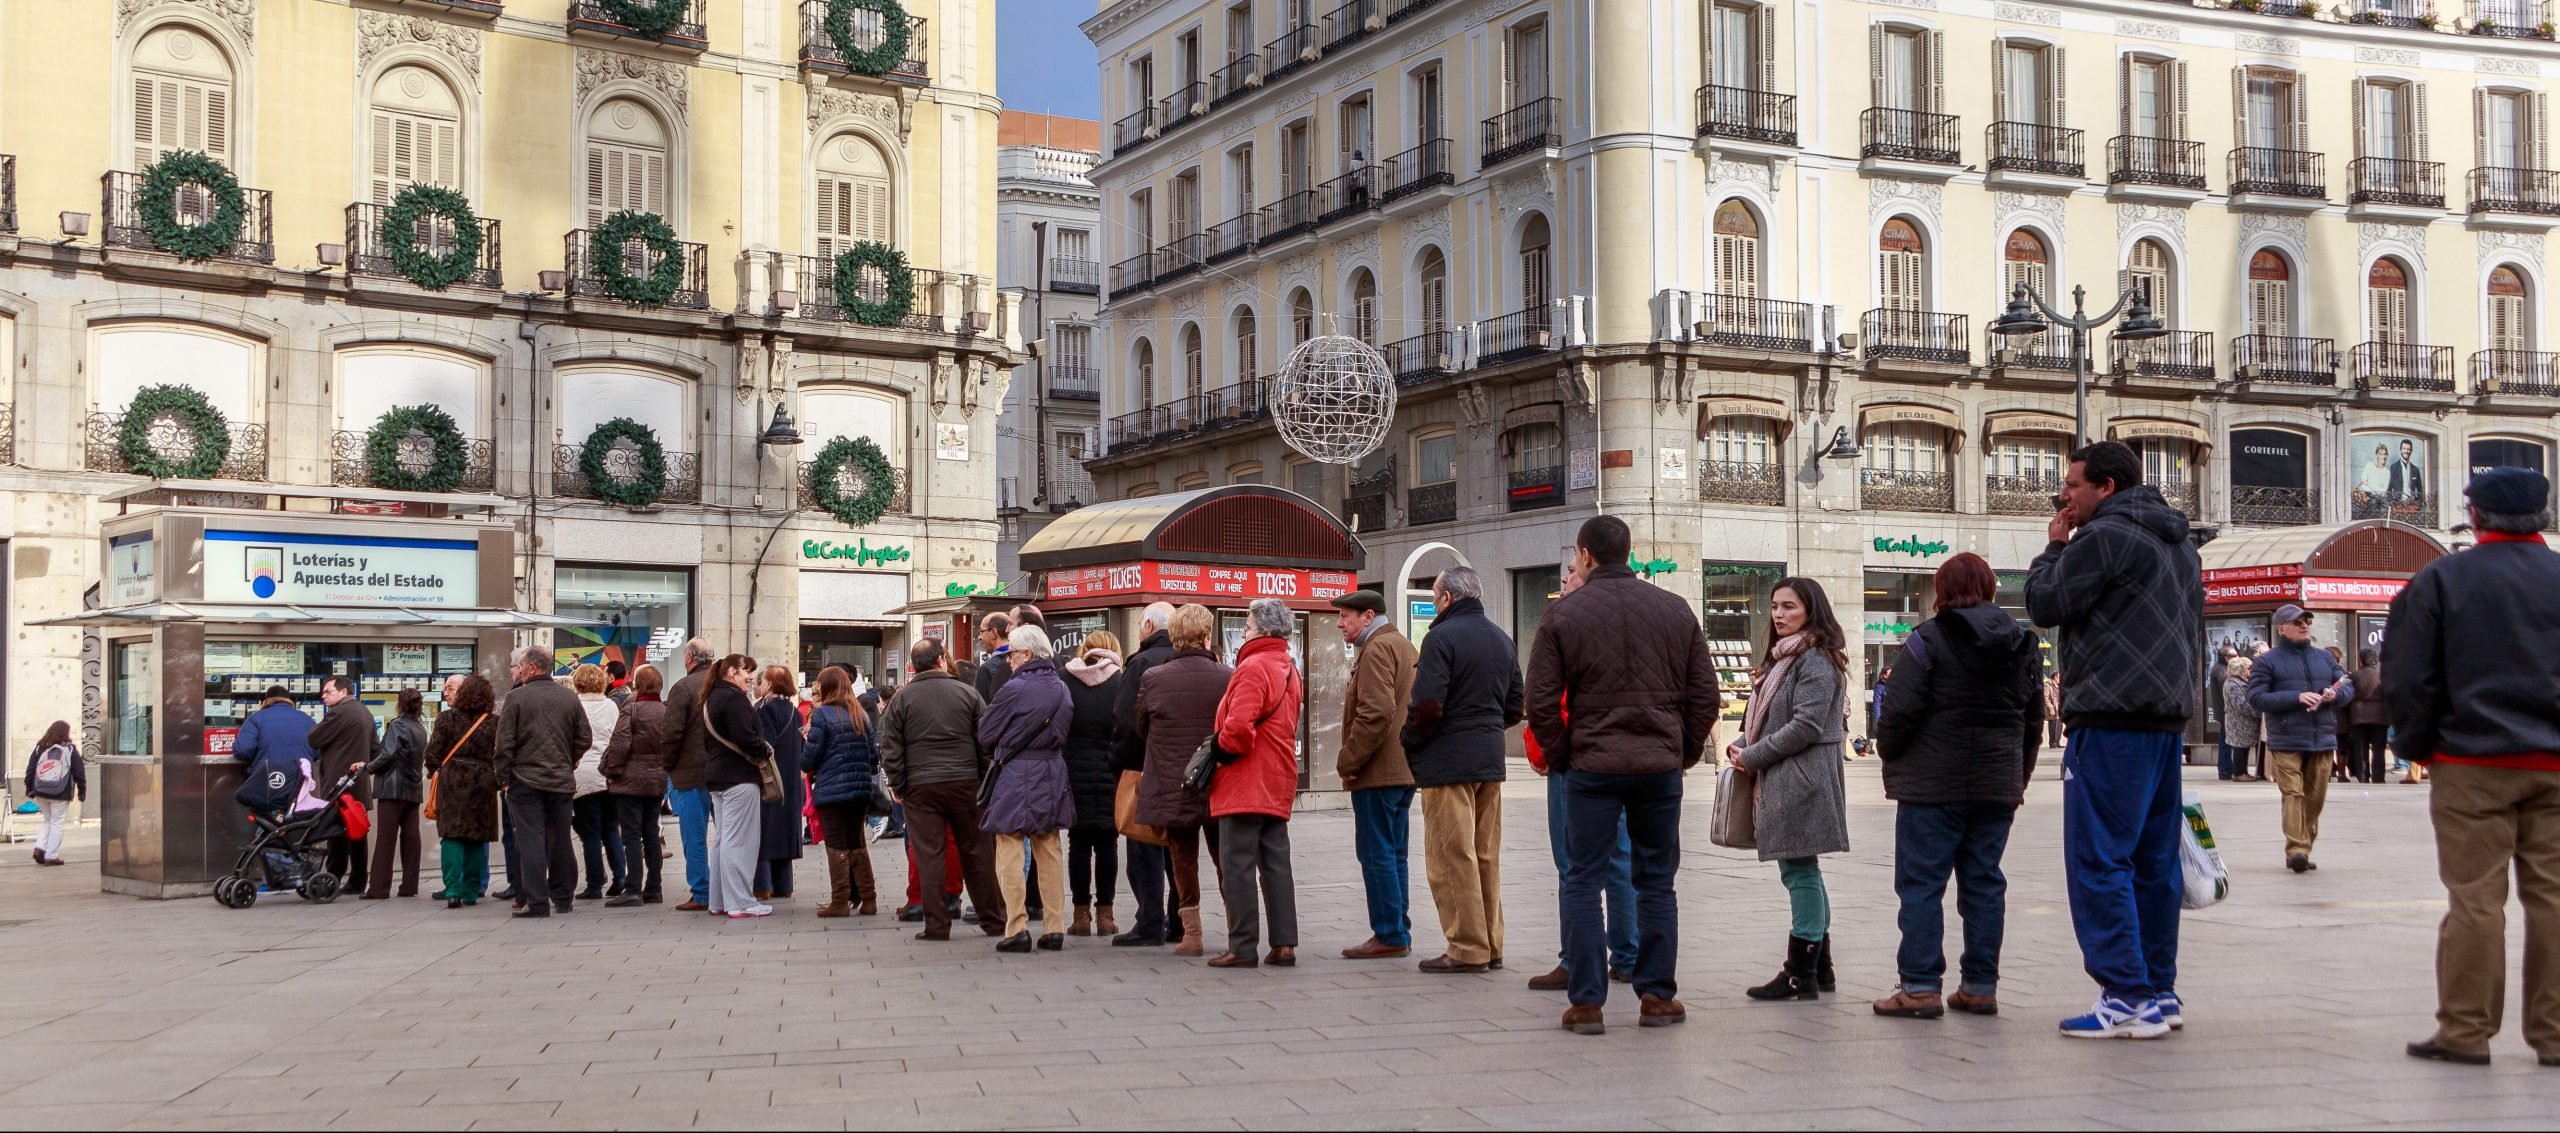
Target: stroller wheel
(235,892)
(321,888)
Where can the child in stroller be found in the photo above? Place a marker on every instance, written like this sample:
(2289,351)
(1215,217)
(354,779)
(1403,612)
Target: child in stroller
(290,849)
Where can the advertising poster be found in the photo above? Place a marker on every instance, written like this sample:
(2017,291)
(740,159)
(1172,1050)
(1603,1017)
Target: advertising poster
(287,567)
(406,659)
(2270,458)
(2389,472)
(453,658)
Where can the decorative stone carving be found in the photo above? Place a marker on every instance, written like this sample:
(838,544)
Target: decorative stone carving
(1188,306)
(2292,230)
(1297,100)
(1524,194)
(1362,248)
(1887,196)
(377,32)
(1475,409)
(2499,65)
(239,15)
(2131,217)
(1418,43)
(2406,239)
(1297,271)
(2268,44)
(1761,175)
(2394,56)
(2497,247)
(2009,208)
(1429,228)
(827,104)
(1930,5)
(2027,14)
(2147,29)
(1355,77)
(596,68)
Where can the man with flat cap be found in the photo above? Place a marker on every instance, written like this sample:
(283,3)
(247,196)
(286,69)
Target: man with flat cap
(1373,769)
(2471,671)
(2297,687)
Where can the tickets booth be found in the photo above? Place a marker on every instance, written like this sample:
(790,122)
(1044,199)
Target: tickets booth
(1099,566)
(2345,576)
(203,610)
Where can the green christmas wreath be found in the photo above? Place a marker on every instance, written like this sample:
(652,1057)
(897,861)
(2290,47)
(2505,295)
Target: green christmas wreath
(900,296)
(158,205)
(826,481)
(892,52)
(410,212)
(382,450)
(605,247)
(642,490)
(648,17)
(195,414)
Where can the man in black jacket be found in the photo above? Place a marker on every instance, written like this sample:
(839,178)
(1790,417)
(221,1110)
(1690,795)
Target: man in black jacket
(2472,674)
(2297,687)
(542,730)
(1150,867)
(1466,694)
(929,752)
(343,740)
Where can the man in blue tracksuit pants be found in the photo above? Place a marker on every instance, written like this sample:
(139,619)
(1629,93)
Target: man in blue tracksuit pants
(2122,583)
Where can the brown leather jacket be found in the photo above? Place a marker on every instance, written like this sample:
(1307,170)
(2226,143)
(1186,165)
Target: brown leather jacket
(1373,711)
(685,740)
(1631,656)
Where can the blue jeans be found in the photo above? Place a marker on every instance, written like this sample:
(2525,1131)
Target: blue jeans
(693,825)
(1595,805)
(1620,890)
(1382,826)
(2120,817)
(1930,844)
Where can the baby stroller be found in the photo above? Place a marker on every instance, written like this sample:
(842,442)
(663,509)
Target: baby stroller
(290,853)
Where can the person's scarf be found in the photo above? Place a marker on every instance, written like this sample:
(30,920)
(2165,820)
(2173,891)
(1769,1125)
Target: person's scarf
(1782,657)
(1095,667)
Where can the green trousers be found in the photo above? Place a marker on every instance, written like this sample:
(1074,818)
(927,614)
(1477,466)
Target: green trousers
(1806,898)
(465,865)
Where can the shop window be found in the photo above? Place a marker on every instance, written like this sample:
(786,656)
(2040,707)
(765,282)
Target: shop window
(826,414)
(2271,478)
(237,674)
(1735,617)
(1903,446)
(1531,589)
(1751,441)
(135,689)
(2509,452)
(590,397)
(1435,458)
(633,616)
(212,363)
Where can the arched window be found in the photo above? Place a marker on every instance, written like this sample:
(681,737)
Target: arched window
(1740,440)
(1364,306)
(854,198)
(1146,374)
(2270,473)
(2386,302)
(217,365)
(182,84)
(591,396)
(2147,270)
(2270,294)
(628,151)
(1248,472)
(372,381)
(2024,262)
(829,412)
(1302,316)
(1535,447)
(1902,267)
(2509,311)
(1434,284)
(1737,251)
(1194,373)
(1191,481)
(1536,291)
(416,133)
(1247,364)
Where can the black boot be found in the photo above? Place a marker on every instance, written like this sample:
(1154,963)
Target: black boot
(1796,980)
(1822,967)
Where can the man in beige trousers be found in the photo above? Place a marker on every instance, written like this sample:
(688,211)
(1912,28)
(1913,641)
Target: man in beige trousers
(1466,695)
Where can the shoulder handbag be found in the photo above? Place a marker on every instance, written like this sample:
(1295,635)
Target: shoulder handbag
(1124,813)
(768,781)
(428,811)
(1731,823)
(1210,756)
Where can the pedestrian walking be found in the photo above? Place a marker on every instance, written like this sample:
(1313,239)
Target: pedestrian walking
(462,765)
(1618,892)
(1029,800)
(635,777)
(688,757)
(1633,656)
(778,716)
(56,777)
(739,759)
(1252,795)
(929,751)
(1467,693)
(2120,580)
(2368,722)
(1372,767)
(839,759)
(542,730)
(1150,867)
(2297,688)
(344,739)
(2472,654)
(1959,737)
(398,769)
(1791,740)
(1093,843)
(591,811)
(2241,727)
(1177,709)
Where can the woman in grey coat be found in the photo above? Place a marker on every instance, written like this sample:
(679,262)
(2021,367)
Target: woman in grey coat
(1791,742)
(2240,724)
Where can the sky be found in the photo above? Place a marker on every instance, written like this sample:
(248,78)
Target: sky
(1043,64)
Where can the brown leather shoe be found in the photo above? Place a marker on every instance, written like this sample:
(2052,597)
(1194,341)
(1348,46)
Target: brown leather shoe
(1231,960)
(1370,949)
(835,909)
(1282,958)
(693,907)
(2430,1050)
(1552,981)
(1974,1004)
(1444,966)
(1655,1011)
(1906,1004)
(1584,1019)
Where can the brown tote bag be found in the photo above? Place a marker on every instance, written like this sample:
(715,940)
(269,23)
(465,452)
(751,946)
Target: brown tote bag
(428,811)
(1124,814)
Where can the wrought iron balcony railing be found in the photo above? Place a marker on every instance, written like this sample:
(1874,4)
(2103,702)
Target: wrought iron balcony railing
(1188,101)
(1352,22)
(1405,9)
(1910,135)
(1232,81)
(2280,173)
(8,195)
(351,466)
(587,272)
(1364,502)
(1742,482)
(1423,357)
(2389,181)
(2025,493)
(247,459)
(1353,192)
(1746,115)
(590,15)
(1431,503)
(123,228)
(2167,162)
(2402,366)
(2530,192)
(1144,125)
(369,253)
(2519,373)
(1295,48)
(2047,351)
(943,300)
(2417,509)
(1234,238)
(1182,256)
(1132,275)
(2029,147)
(2508,19)
(1130,430)
(684,473)
(1537,487)
(1882,489)
(850,482)
(1755,323)
(1081,277)
(2257,505)
(1527,128)
(1918,336)
(2183,495)
(1519,334)
(1422,167)
(2184,354)
(1073,379)
(2388,13)
(1291,215)
(820,52)
(2283,360)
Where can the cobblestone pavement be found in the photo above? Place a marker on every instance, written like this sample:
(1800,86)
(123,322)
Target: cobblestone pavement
(398,1014)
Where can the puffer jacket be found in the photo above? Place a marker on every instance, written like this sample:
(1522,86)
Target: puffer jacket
(1964,718)
(1258,720)
(275,744)
(635,762)
(1093,684)
(838,757)
(1634,662)
(602,716)
(2284,673)
(929,733)
(1025,731)
(542,731)
(398,769)
(1466,694)
(1177,708)
(2127,593)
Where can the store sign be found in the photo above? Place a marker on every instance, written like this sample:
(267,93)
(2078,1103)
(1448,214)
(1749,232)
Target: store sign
(1651,567)
(965,589)
(290,567)
(1913,546)
(2252,592)
(219,741)
(130,574)
(860,552)
(2352,591)
(1244,583)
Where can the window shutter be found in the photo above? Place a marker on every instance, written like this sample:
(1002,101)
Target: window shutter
(2057,86)
(2302,113)
(448,156)
(2125,65)
(2240,107)
(1244,180)
(2418,120)
(1875,65)
(192,117)
(1999,82)
(2178,99)
(2540,127)
(831,206)
(1747,266)
(383,177)
(217,123)
(1768,45)
(1937,85)
(2479,128)
(1245,364)
(599,187)
(1711,15)
(2357,92)
(146,139)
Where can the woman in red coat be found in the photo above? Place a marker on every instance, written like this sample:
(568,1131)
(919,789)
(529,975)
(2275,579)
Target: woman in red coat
(1250,798)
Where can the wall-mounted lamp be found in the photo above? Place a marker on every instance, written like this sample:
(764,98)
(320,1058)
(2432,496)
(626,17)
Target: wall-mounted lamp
(333,255)
(74,225)
(553,282)
(1842,448)
(786,301)
(781,433)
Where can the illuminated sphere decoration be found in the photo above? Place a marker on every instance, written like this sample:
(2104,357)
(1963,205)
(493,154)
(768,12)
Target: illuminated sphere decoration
(1334,399)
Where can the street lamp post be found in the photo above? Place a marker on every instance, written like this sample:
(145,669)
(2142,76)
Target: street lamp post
(2021,319)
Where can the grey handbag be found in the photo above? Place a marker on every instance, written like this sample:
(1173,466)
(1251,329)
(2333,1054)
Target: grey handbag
(1731,824)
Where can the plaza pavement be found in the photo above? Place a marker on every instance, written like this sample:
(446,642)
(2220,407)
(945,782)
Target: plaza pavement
(116,1012)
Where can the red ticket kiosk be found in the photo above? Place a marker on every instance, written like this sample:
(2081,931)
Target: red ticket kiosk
(2345,576)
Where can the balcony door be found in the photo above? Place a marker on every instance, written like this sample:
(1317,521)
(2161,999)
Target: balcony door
(1356,135)
(1898,81)
(2386,291)
(1427,125)
(1524,65)
(2026,262)
(2024,81)
(1734,54)
(2507,330)
(2385,122)
(1737,251)
(1902,280)
(2270,295)
(2147,98)
(2147,271)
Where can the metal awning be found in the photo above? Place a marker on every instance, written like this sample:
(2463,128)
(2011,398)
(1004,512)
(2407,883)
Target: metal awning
(235,613)
(1238,524)
(2364,547)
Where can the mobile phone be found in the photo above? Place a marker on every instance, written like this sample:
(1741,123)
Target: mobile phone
(2059,503)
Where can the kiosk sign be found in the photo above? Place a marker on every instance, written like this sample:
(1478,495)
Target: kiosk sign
(339,570)
(1240,583)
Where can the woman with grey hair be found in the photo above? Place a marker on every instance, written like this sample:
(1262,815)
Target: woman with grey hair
(1250,799)
(1028,796)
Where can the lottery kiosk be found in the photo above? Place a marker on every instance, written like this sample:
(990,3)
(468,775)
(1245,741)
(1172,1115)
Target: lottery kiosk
(204,610)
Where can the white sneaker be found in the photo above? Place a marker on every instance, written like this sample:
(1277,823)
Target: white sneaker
(751,911)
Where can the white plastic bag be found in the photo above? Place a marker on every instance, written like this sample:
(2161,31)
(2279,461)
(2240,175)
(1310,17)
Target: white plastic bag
(2207,881)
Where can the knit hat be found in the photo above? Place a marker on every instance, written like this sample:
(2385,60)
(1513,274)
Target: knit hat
(2509,491)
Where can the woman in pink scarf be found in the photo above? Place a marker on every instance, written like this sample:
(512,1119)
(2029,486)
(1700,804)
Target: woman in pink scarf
(1791,742)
